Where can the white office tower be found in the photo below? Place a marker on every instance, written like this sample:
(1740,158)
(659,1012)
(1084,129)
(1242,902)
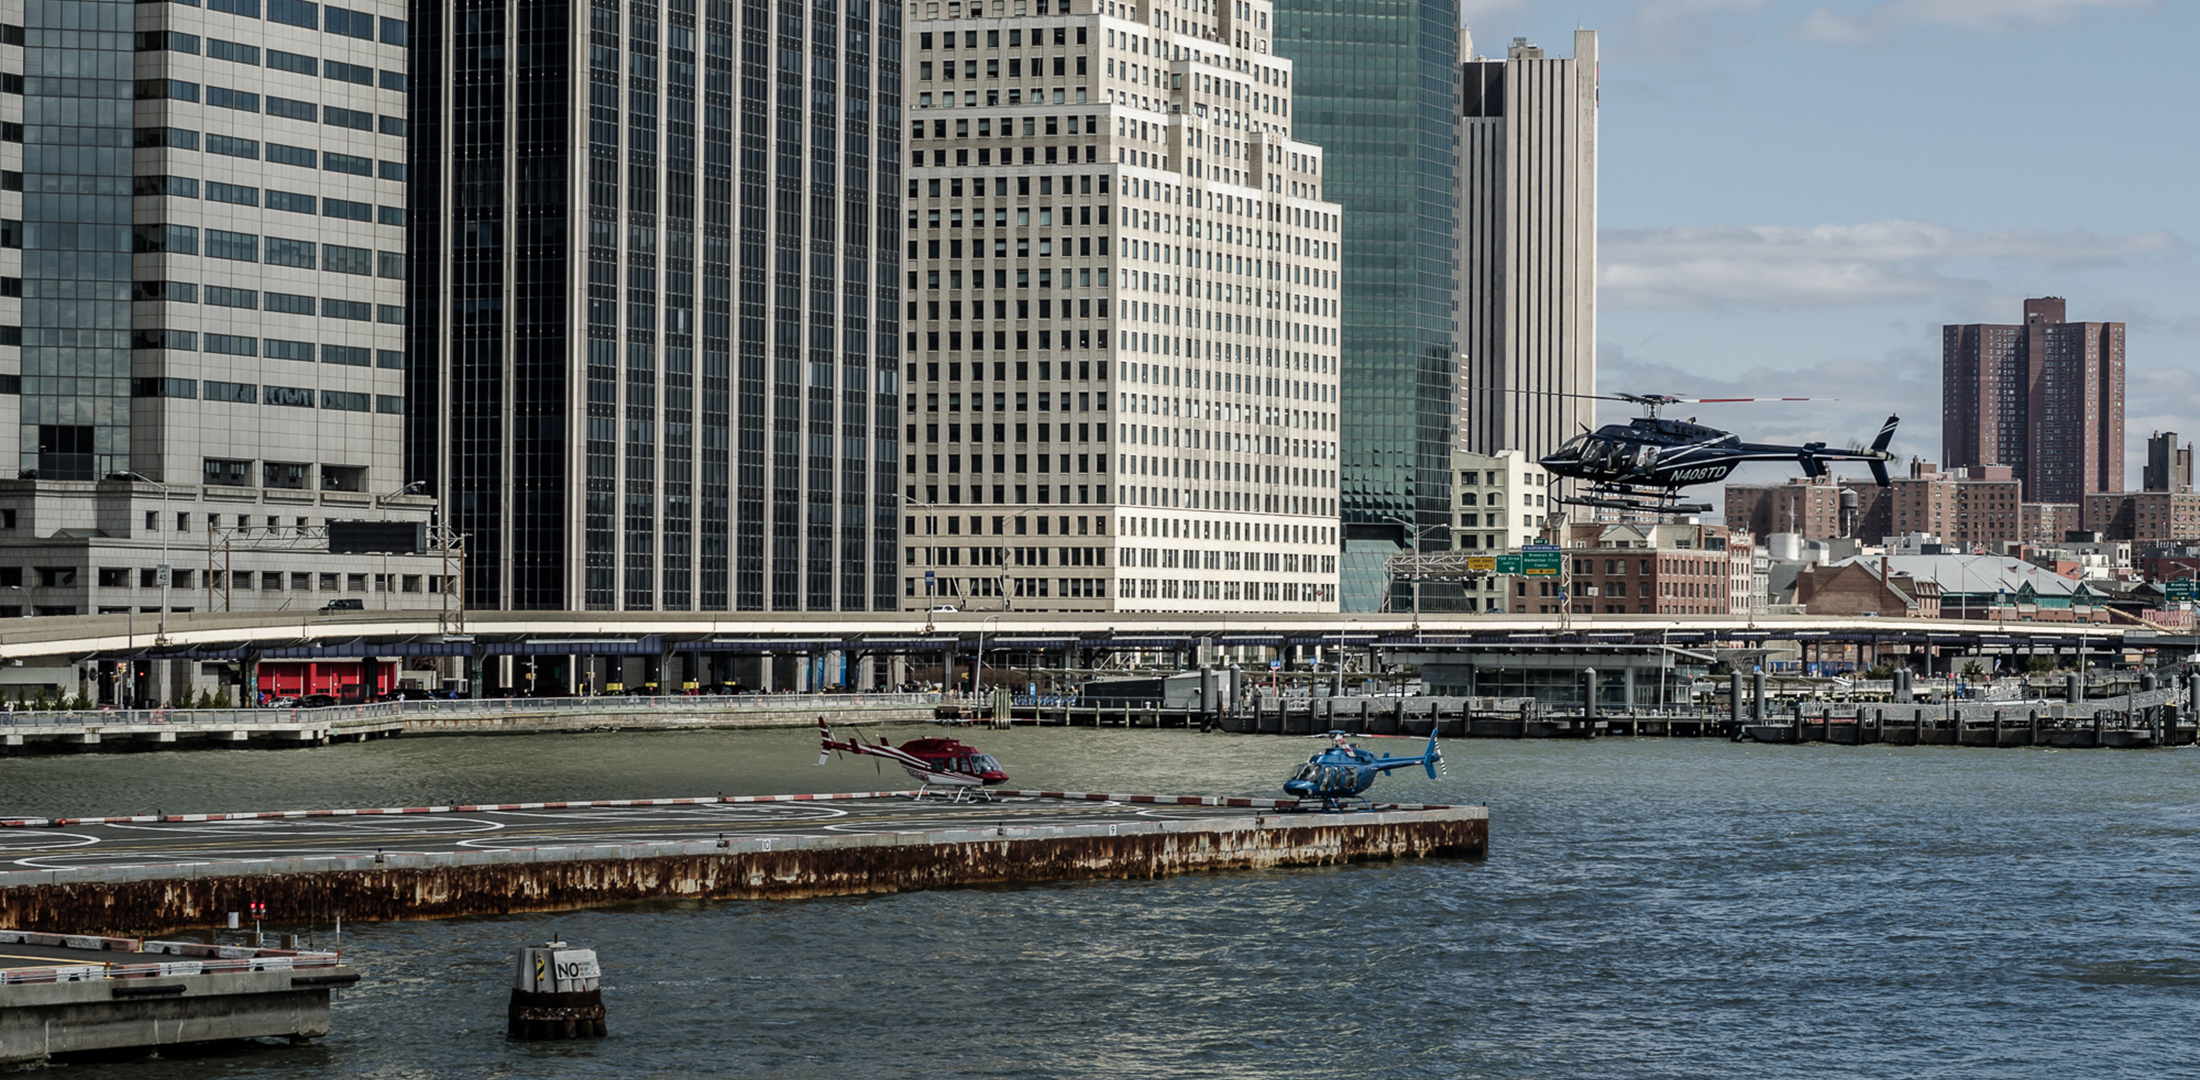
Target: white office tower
(1122,324)
(1528,247)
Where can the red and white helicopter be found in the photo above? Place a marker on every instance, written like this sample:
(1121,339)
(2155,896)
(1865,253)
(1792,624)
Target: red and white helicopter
(946,763)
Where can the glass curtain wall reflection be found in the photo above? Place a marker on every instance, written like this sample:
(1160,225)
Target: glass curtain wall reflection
(1378,88)
(76,238)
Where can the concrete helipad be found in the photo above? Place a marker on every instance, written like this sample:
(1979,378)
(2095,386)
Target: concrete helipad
(197,839)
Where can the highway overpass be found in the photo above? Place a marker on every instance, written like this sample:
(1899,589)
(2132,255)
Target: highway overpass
(271,635)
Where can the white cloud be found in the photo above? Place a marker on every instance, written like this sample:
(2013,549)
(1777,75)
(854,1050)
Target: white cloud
(1828,265)
(1678,31)
(1472,12)
(1987,16)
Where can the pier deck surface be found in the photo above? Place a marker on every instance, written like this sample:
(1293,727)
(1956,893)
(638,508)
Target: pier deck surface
(16,955)
(179,841)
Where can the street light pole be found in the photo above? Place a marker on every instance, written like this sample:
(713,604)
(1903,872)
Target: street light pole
(977,682)
(387,584)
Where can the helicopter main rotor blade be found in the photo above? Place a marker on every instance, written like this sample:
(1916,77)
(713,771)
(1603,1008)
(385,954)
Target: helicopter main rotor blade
(1543,393)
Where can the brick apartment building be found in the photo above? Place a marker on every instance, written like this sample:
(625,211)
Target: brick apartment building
(2045,397)
(2049,523)
(1666,569)
(1979,504)
(2143,515)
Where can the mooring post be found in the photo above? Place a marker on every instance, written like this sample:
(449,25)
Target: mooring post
(1734,696)
(1757,697)
(555,994)
(2073,689)
(1589,694)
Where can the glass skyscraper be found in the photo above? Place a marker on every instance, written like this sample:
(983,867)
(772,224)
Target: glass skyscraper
(658,308)
(1378,89)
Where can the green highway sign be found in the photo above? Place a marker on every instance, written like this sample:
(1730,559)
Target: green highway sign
(1542,563)
(2180,590)
(1508,564)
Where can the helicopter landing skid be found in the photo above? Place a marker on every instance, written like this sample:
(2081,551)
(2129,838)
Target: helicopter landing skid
(1629,502)
(956,794)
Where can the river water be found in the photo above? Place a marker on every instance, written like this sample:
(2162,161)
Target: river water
(1649,908)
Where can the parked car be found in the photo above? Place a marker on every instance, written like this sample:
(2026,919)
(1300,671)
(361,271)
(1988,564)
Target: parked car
(316,701)
(349,603)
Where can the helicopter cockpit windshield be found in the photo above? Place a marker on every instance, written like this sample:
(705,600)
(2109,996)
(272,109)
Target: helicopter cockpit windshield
(981,764)
(1571,450)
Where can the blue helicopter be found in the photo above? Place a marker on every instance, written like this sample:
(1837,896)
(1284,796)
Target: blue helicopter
(1339,773)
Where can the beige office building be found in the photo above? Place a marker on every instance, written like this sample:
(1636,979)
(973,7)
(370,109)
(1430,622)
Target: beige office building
(1121,317)
(1527,192)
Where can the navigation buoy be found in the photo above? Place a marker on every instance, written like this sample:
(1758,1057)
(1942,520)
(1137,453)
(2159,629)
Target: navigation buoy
(554,994)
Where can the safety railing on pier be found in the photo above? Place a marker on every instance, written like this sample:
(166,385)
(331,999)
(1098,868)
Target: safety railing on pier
(206,959)
(1984,711)
(448,708)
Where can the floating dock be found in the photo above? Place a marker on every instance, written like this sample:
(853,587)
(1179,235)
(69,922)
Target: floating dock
(152,874)
(75,993)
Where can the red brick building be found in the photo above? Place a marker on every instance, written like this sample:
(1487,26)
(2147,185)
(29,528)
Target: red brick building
(1981,505)
(2143,515)
(2045,397)
(1660,569)
(1807,506)
(1864,587)
(2049,524)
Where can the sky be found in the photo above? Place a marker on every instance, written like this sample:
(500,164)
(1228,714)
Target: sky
(1795,196)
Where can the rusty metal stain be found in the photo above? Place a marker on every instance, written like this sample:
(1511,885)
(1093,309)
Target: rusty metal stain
(159,906)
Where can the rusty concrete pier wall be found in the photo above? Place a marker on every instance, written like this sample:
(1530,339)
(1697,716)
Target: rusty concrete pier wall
(156,899)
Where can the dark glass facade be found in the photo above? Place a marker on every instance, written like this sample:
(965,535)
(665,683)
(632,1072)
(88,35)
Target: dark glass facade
(605,444)
(77,115)
(1377,88)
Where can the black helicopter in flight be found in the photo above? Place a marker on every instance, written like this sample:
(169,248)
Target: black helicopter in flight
(1643,464)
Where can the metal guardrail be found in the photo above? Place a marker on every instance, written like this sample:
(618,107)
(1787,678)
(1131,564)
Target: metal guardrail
(1973,711)
(341,715)
(210,959)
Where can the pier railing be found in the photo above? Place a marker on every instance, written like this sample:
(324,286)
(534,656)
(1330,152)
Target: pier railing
(445,708)
(208,959)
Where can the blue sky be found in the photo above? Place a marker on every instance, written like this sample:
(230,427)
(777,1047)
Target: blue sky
(1795,196)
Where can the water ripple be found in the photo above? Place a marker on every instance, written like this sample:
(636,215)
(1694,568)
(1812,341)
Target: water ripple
(1649,909)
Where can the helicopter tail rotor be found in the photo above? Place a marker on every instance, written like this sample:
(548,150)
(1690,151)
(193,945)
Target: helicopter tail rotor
(1433,759)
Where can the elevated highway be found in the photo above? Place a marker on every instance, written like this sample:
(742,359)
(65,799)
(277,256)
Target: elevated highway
(281,635)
